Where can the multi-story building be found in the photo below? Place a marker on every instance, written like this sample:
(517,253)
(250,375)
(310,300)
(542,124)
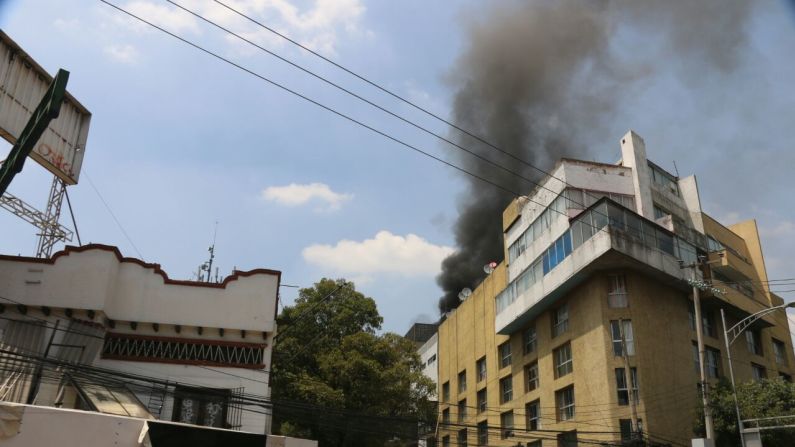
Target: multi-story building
(597,263)
(425,336)
(90,329)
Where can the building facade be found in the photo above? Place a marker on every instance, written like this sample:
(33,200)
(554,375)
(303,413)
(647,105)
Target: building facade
(592,312)
(93,330)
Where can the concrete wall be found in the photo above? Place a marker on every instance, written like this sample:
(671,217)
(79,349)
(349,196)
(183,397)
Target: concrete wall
(430,351)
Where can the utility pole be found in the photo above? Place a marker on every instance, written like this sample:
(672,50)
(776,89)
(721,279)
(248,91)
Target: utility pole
(710,431)
(628,380)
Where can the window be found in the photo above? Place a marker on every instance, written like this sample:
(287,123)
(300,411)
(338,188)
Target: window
(529,340)
(712,362)
(506,424)
(708,324)
(627,434)
(616,291)
(696,362)
(445,441)
(567,439)
(664,180)
(564,400)
(462,381)
(615,329)
(446,416)
(563,362)
(482,400)
(431,360)
(560,320)
(446,392)
(483,433)
(533,413)
(462,411)
(752,339)
(462,437)
(780,351)
(480,368)
(506,389)
(199,406)
(531,373)
(758,372)
(785,377)
(621,385)
(504,350)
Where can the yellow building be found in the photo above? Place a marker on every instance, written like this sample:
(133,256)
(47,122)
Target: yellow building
(535,355)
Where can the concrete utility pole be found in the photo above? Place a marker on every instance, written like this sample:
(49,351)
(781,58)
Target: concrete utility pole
(628,379)
(710,431)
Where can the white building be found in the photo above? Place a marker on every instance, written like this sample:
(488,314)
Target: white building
(190,352)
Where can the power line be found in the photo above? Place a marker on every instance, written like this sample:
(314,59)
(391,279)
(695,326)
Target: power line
(115,219)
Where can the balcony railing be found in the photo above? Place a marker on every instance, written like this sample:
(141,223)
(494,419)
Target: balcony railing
(622,223)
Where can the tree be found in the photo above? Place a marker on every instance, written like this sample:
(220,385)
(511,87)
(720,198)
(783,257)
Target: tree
(335,379)
(757,399)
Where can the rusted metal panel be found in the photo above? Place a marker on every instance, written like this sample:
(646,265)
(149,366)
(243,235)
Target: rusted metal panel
(23,82)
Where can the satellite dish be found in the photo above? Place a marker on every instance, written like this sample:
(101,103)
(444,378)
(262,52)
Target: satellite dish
(488,268)
(464,293)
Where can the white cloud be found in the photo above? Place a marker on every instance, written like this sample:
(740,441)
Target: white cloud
(66,25)
(783,229)
(408,255)
(295,194)
(170,18)
(126,54)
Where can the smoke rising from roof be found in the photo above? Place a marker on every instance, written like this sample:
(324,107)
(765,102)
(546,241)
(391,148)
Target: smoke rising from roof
(541,79)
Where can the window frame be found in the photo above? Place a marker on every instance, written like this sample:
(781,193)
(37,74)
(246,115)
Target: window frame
(529,340)
(622,390)
(565,367)
(506,356)
(483,433)
(506,389)
(533,415)
(506,424)
(560,320)
(462,410)
(482,400)
(532,379)
(462,381)
(565,407)
(481,371)
(629,337)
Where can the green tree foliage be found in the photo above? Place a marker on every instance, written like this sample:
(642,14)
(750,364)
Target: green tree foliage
(762,399)
(328,355)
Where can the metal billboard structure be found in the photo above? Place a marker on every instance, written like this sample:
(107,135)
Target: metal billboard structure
(60,149)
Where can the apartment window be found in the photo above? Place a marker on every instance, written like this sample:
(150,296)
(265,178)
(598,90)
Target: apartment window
(462,437)
(780,350)
(560,320)
(627,434)
(616,291)
(462,381)
(533,413)
(445,441)
(753,342)
(708,324)
(446,392)
(567,439)
(462,410)
(198,406)
(504,351)
(712,362)
(629,338)
(696,363)
(621,385)
(758,372)
(506,389)
(785,377)
(506,424)
(563,362)
(483,433)
(480,368)
(481,400)
(531,373)
(446,416)
(564,400)
(529,340)
(431,360)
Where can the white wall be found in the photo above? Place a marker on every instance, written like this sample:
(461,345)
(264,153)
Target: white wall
(96,279)
(430,349)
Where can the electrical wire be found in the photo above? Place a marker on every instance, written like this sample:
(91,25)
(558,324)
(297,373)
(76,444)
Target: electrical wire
(112,214)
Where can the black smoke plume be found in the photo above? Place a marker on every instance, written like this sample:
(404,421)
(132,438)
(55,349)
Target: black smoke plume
(540,79)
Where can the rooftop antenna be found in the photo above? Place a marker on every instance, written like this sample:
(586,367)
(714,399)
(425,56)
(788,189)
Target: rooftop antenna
(208,266)
(676,169)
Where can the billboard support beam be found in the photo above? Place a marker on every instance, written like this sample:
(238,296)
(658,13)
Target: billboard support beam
(50,229)
(47,110)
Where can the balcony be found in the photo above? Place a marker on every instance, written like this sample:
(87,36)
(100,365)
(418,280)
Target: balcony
(604,236)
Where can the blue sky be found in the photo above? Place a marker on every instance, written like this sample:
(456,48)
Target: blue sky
(179,140)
